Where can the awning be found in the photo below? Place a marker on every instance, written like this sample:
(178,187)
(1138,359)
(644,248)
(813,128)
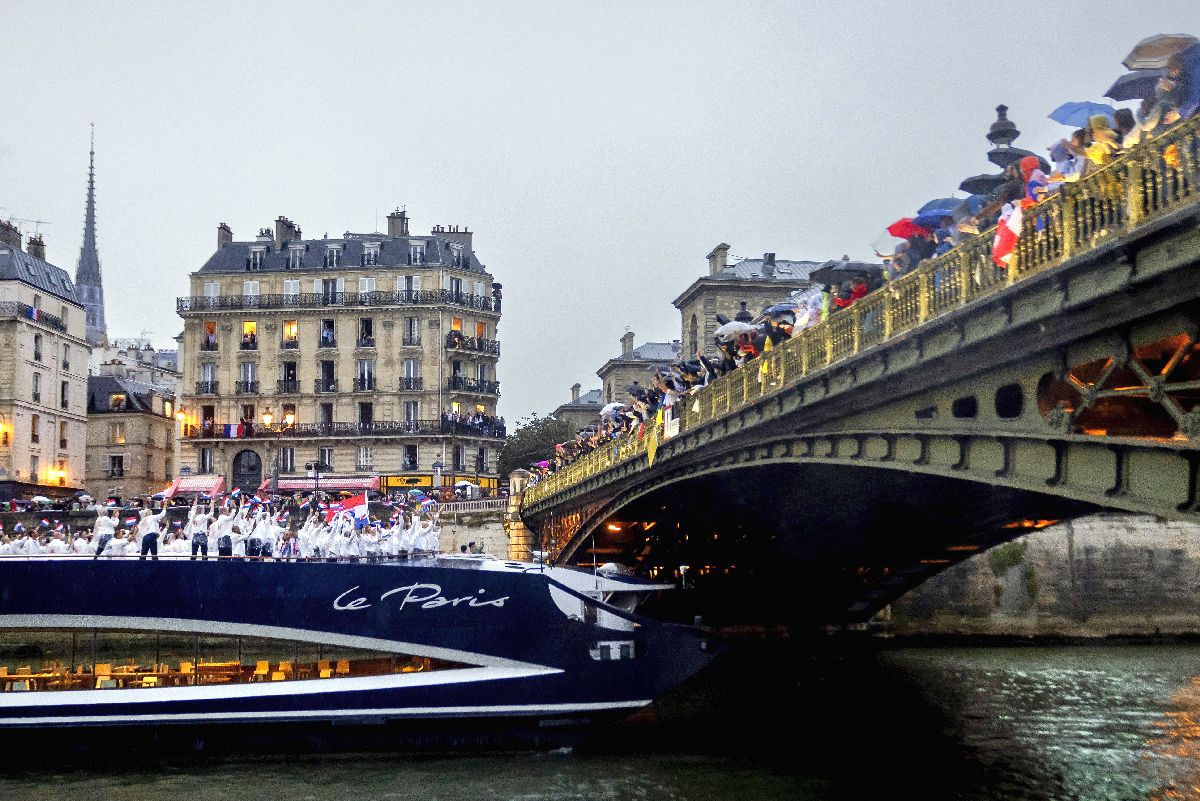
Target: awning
(358,483)
(192,485)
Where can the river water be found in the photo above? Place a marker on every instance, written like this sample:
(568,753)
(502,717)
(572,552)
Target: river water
(836,721)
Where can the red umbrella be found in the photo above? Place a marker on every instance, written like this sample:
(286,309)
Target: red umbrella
(905,227)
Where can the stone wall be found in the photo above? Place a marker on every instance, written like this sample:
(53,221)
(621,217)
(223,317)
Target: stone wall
(1097,576)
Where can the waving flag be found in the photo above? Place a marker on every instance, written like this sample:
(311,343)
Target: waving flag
(131,521)
(45,521)
(1008,231)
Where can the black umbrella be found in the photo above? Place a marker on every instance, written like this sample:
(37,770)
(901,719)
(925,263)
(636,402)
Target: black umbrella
(1003,156)
(981,184)
(1135,85)
(838,272)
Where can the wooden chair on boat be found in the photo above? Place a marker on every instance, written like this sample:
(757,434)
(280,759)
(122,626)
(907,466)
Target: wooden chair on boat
(187,672)
(343,667)
(261,670)
(102,669)
(278,675)
(150,681)
(285,668)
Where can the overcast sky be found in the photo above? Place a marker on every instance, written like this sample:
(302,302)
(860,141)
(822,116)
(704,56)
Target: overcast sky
(599,150)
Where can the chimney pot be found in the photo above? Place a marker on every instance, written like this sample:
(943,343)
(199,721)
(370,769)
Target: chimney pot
(627,343)
(398,223)
(718,259)
(10,234)
(224,235)
(575,393)
(36,247)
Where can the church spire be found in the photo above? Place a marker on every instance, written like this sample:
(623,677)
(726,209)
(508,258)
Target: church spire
(87,272)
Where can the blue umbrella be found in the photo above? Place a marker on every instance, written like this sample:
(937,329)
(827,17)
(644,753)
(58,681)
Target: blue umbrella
(942,204)
(1135,85)
(934,218)
(1077,112)
(968,208)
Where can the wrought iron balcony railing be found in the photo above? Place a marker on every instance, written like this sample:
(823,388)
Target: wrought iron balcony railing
(319,300)
(326,342)
(365,342)
(287,386)
(411,342)
(410,383)
(460,383)
(364,384)
(245,388)
(377,428)
(1156,178)
(478,344)
(322,385)
(209,345)
(20,310)
(289,344)
(248,344)
(206,387)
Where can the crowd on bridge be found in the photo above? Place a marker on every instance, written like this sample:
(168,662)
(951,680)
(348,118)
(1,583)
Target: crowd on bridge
(1165,78)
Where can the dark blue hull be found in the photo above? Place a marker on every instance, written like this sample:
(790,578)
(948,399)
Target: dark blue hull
(532,662)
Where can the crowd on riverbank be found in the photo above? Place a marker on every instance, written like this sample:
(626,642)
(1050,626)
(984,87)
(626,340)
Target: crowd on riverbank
(1169,96)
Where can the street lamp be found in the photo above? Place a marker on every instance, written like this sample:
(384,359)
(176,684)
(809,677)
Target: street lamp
(314,472)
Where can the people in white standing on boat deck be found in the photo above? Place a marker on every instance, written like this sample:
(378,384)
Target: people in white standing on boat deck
(149,531)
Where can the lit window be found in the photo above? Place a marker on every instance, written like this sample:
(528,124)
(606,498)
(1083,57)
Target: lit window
(116,433)
(116,402)
(456,324)
(289,331)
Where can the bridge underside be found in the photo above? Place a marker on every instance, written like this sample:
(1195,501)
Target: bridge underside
(811,543)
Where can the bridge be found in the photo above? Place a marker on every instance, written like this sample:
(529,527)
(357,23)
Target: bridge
(958,407)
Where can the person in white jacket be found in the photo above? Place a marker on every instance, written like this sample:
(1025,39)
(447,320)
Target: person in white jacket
(104,529)
(149,530)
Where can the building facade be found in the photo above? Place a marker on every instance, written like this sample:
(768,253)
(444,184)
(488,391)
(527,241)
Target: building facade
(137,359)
(583,410)
(43,373)
(634,366)
(748,286)
(368,360)
(131,437)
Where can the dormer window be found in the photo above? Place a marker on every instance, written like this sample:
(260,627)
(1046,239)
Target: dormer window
(370,254)
(333,256)
(116,402)
(416,253)
(257,254)
(456,251)
(295,255)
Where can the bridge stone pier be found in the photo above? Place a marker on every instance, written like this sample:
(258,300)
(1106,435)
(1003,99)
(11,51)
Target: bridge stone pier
(958,407)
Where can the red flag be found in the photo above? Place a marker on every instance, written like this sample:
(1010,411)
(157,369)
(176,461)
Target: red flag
(1008,231)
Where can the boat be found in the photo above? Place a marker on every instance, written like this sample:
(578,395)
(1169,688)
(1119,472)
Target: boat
(445,653)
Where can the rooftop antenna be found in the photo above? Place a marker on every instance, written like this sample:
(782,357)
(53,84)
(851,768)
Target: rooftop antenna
(35,223)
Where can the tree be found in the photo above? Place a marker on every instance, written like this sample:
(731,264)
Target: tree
(532,440)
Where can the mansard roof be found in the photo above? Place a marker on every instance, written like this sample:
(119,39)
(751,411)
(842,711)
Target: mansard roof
(393,252)
(17,265)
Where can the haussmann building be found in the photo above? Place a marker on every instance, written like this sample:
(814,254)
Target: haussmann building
(365,361)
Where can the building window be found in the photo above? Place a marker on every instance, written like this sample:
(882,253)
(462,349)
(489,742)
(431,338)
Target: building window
(34,469)
(410,457)
(116,433)
(364,458)
(481,461)
(62,314)
(116,402)
(256,258)
(287,460)
(294,260)
(62,435)
(325,457)
(456,407)
(66,357)
(250,289)
(208,339)
(481,330)
(412,331)
(290,332)
(248,413)
(168,408)
(366,414)
(327,338)
(212,289)
(412,411)
(371,254)
(35,426)
(116,466)
(366,375)
(168,468)
(37,387)
(206,460)
(366,285)
(249,335)
(64,394)
(37,301)
(208,373)
(694,336)
(37,347)
(366,332)
(460,459)
(456,324)
(456,251)
(61,473)
(333,256)
(416,254)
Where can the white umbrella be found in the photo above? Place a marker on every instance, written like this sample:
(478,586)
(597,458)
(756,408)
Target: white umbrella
(611,408)
(40,499)
(733,328)
(463,484)
(1154,52)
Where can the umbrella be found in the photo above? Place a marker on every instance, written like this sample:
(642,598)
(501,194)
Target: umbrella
(942,204)
(934,218)
(780,309)
(981,184)
(611,408)
(39,499)
(1135,85)
(463,484)
(733,329)
(902,229)
(1003,156)
(837,272)
(158,496)
(1076,112)
(968,208)
(1153,52)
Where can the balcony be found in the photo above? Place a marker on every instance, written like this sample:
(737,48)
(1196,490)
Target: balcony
(320,300)
(206,387)
(364,384)
(248,343)
(289,344)
(20,310)
(365,342)
(411,341)
(455,341)
(287,386)
(323,385)
(245,388)
(410,383)
(377,428)
(209,345)
(407,465)
(327,342)
(460,383)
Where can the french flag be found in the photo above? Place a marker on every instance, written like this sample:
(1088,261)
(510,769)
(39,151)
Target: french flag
(232,430)
(131,521)
(45,521)
(1008,231)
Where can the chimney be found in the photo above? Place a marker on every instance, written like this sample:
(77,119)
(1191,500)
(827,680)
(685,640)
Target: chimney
(36,247)
(627,343)
(224,235)
(575,393)
(718,259)
(10,234)
(398,223)
(285,231)
(455,233)
(768,264)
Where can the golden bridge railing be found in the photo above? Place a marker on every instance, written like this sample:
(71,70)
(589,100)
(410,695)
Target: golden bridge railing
(1153,179)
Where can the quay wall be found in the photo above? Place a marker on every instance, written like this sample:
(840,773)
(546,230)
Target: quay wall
(1102,575)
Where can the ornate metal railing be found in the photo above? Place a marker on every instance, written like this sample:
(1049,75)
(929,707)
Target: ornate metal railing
(459,383)
(318,300)
(409,383)
(12,309)
(478,344)
(245,388)
(1155,178)
(376,428)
